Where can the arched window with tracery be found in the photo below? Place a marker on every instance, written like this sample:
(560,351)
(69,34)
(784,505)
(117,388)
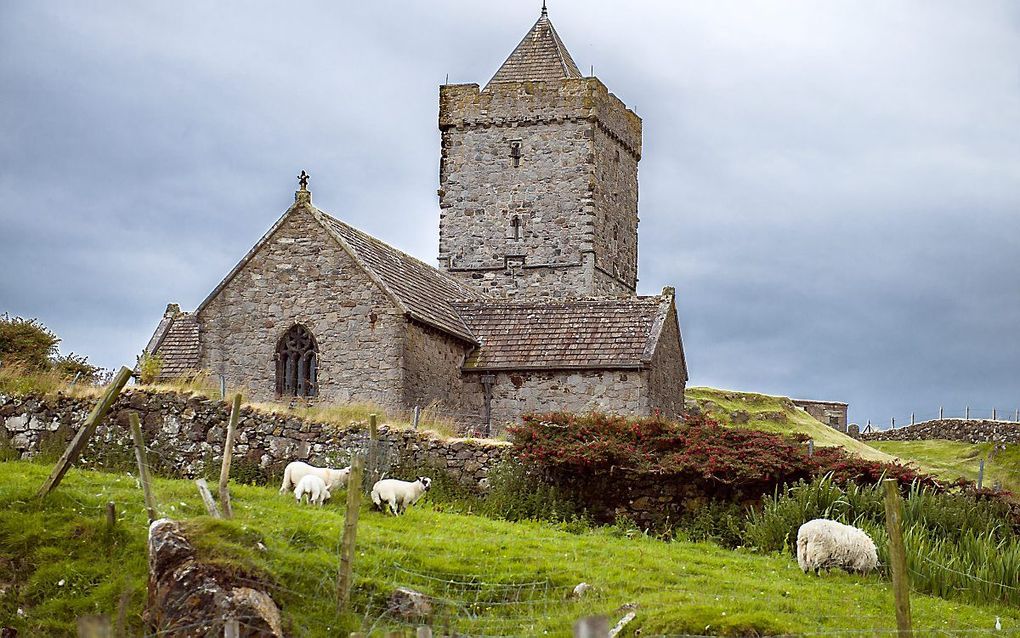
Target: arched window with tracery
(297,364)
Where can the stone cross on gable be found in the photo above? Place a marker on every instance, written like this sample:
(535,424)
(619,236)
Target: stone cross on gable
(303,180)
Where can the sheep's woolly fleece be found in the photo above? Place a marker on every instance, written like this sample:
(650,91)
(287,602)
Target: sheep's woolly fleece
(823,544)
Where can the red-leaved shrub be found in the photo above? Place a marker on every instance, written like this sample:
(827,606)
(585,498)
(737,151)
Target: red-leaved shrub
(586,449)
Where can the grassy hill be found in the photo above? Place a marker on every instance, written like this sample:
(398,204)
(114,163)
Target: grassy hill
(492,577)
(775,414)
(954,459)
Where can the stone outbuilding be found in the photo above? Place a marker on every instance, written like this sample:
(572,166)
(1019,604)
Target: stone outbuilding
(534,307)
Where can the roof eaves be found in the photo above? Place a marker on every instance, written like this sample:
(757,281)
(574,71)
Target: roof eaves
(247,257)
(553,367)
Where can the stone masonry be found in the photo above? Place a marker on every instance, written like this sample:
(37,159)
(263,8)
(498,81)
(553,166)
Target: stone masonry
(533,307)
(301,271)
(569,207)
(185,435)
(966,430)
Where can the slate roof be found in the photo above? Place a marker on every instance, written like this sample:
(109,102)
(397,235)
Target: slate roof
(176,342)
(580,333)
(421,291)
(540,56)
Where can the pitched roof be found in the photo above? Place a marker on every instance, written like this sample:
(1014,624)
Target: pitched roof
(419,290)
(540,56)
(581,333)
(176,343)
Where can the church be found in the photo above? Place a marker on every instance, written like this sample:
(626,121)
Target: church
(533,306)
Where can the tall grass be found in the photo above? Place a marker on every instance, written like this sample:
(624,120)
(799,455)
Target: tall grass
(957,546)
(17,380)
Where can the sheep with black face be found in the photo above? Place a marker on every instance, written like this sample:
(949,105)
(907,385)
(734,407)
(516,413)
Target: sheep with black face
(399,495)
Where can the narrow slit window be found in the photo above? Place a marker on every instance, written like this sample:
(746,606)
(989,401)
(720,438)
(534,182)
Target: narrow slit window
(515,225)
(515,154)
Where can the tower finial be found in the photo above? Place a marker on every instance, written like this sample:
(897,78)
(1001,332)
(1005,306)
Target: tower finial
(545,11)
(303,180)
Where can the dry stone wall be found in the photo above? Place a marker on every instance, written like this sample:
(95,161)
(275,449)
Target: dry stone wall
(185,435)
(968,431)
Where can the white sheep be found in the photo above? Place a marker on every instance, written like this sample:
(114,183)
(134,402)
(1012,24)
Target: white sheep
(297,470)
(399,495)
(823,543)
(314,488)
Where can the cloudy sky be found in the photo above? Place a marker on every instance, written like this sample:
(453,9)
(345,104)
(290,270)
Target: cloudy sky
(832,187)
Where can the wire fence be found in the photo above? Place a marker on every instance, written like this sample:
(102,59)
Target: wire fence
(966,413)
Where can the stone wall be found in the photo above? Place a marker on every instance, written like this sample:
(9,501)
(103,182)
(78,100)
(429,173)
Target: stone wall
(613,391)
(667,378)
(432,376)
(968,431)
(301,276)
(831,413)
(186,433)
(616,213)
(569,207)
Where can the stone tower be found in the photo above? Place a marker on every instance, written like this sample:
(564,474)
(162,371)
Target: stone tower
(538,178)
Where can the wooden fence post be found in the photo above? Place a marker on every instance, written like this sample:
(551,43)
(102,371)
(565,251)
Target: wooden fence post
(417,416)
(940,412)
(897,556)
(967,414)
(993,415)
(111,515)
(811,447)
(981,473)
(911,418)
(345,577)
(210,504)
(592,627)
(143,465)
(372,462)
(80,439)
(228,452)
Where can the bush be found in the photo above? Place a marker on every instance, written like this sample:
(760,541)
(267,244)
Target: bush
(717,460)
(149,368)
(77,368)
(26,342)
(516,494)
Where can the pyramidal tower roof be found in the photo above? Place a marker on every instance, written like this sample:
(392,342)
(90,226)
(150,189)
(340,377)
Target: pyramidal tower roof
(540,56)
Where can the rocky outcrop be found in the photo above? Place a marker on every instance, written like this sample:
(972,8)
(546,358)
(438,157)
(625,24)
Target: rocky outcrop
(966,430)
(185,434)
(190,598)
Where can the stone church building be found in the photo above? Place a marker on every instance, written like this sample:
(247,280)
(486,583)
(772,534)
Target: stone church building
(533,306)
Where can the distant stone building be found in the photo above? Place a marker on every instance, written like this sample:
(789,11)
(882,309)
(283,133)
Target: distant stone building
(831,413)
(533,307)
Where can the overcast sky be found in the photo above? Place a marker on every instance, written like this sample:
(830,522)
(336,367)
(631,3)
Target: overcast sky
(832,187)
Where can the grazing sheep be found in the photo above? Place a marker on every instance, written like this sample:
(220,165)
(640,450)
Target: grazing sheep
(314,488)
(399,495)
(297,470)
(822,544)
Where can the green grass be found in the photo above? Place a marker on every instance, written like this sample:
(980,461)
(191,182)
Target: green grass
(777,414)
(954,459)
(477,563)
